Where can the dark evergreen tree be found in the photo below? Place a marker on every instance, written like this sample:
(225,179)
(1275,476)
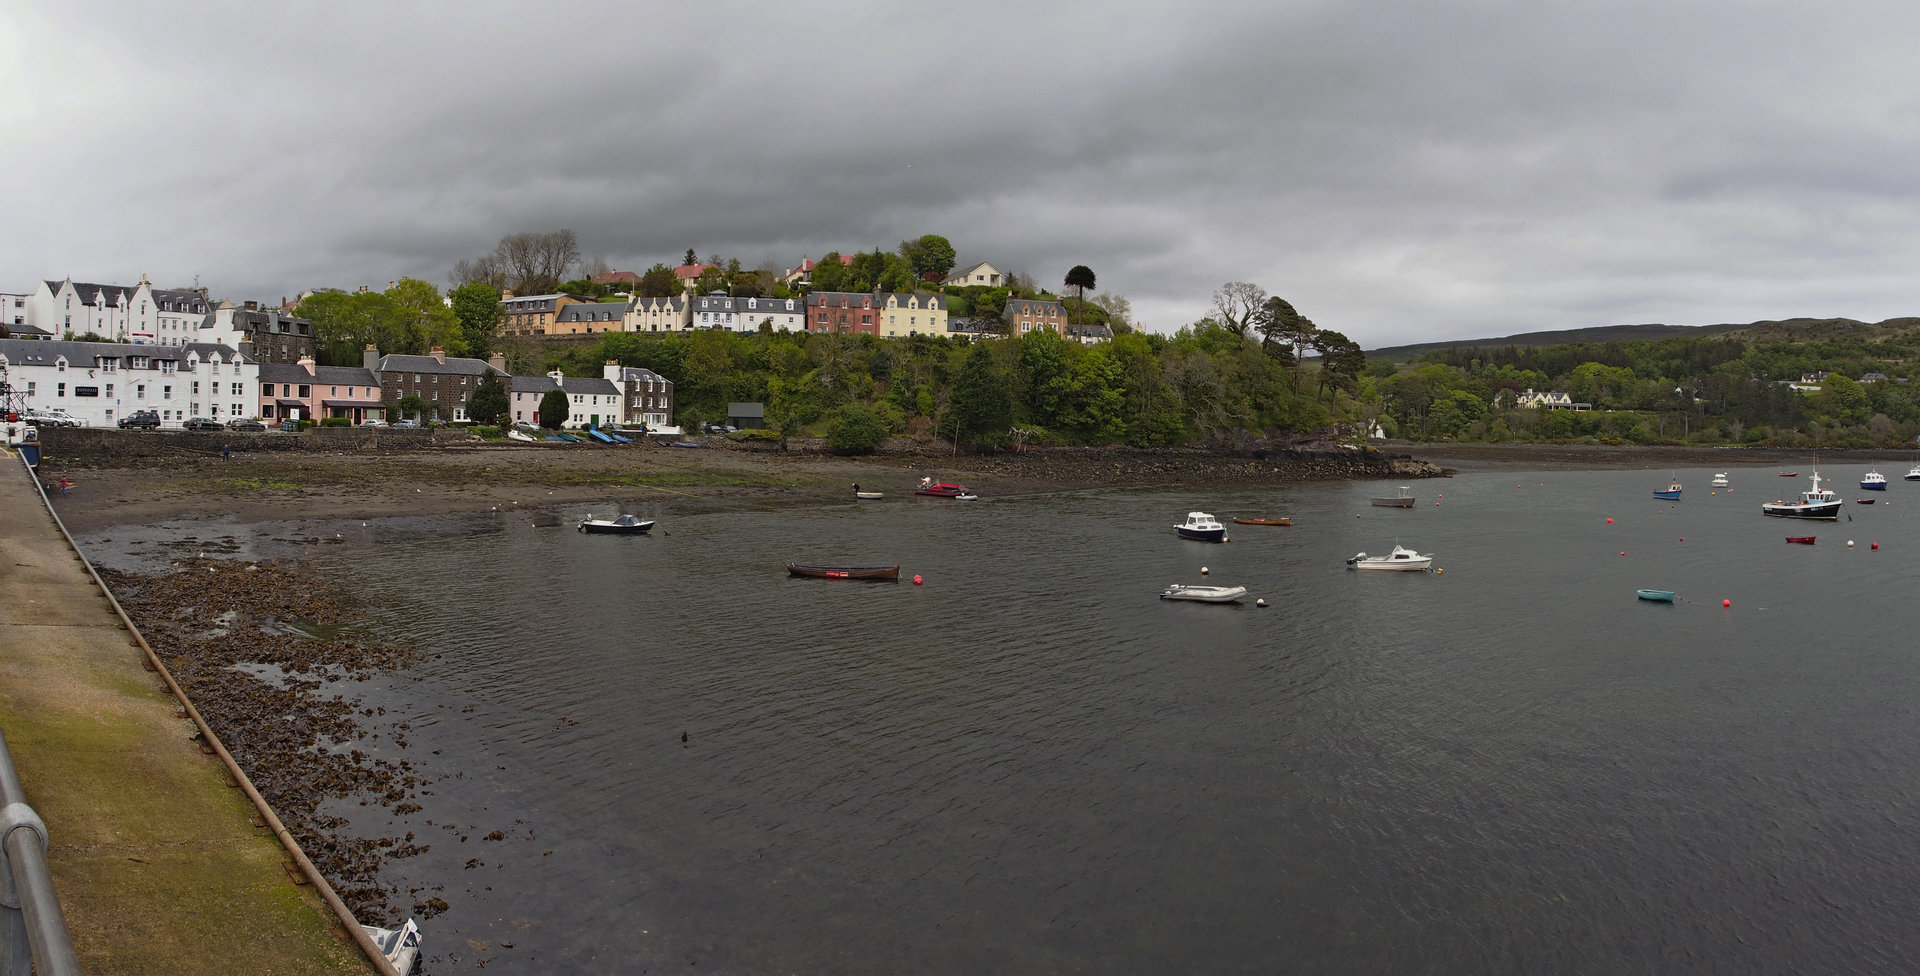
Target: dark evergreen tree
(554,407)
(981,409)
(489,400)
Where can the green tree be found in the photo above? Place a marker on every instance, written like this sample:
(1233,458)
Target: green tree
(488,403)
(554,408)
(411,405)
(829,274)
(659,282)
(856,429)
(1080,278)
(932,255)
(424,314)
(476,306)
(981,408)
(712,280)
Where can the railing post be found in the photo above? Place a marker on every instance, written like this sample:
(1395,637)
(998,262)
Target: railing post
(33,926)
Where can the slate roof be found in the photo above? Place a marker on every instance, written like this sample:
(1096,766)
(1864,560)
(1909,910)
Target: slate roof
(322,375)
(674,304)
(592,312)
(1031,306)
(639,374)
(455,365)
(574,384)
(191,299)
(90,293)
(38,352)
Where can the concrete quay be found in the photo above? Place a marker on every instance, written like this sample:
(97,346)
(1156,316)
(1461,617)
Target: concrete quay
(156,855)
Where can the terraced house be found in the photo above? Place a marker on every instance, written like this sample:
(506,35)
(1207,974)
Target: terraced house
(588,318)
(591,400)
(659,315)
(304,391)
(905,315)
(102,382)
(720,311)
(443,383)
(533,314)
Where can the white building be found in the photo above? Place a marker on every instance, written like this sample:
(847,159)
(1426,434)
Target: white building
(102,382)
(721,311)
(590,400)
(980,274)
(120,312)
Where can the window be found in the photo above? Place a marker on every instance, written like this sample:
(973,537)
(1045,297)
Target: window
(333,391)
(237,391)
(167,366)
(63,390)
(305,391)
(166,393)
(60,365)
(196,387)
(109,391)
(140,391)
(30,386)
(108,365)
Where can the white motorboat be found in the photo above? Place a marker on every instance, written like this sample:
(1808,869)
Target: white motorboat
(1817,503)
(1913,473)
(1400,558)
(1203,594)
(1873,481)
(1720,480)
(1203,527)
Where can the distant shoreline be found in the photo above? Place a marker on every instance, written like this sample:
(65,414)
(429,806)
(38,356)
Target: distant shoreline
(1595,456)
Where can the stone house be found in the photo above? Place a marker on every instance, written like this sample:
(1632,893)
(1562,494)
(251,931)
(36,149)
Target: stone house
(842,311)
(647,396)
(1024,315)
(443,383)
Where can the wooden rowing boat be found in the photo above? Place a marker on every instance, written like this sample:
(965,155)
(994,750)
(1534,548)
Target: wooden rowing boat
(1263,521)
(1805,540)
(890,573)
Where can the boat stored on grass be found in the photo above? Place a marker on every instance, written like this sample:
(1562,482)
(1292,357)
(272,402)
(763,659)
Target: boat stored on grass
(1401,499)
(1815,503)
(1202,527)
(886,573)
(1401,558)
(1203,594)
(624,525)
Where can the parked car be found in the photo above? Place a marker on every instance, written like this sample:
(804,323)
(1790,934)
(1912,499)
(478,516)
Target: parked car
(202,423)
(245,424)
(63,418)
(145,419)
(373,423)
(409,424)
(721,428)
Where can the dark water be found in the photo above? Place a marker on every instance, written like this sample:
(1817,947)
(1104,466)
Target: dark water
(1032,765)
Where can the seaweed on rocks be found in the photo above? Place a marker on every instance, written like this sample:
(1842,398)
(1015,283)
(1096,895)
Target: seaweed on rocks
(222,628)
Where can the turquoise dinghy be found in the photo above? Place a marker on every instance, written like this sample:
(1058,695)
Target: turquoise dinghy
(1657,596)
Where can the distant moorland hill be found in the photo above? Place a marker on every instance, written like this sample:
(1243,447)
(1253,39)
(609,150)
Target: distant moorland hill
(1766,331)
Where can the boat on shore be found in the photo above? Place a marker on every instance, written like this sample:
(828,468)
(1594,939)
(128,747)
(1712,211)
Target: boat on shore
(1402,499)
(1815,503)
(624,525)
(1202,527)
(520,435)
(1401,558)
(1657,596)
(1804,540)
(1873,480)
(865,495)
(885,573)
(945,490)
(1203,594)
(1253,520)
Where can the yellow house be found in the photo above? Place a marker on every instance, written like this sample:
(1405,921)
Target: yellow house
(904,315)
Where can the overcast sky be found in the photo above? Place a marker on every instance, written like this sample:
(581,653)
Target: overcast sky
(1400,171)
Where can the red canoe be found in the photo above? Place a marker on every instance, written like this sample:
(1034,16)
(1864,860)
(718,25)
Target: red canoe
(1805,540)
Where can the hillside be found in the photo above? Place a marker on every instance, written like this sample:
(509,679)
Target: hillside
(1765,331)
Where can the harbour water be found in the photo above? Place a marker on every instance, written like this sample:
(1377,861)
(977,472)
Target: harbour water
(1030,764)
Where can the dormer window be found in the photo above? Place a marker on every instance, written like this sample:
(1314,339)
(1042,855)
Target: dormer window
(60,364)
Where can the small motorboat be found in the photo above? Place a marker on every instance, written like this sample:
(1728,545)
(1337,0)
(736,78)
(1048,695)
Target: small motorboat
(1203,594)
(1913,473)
(1873,481)
(884,573)
(1400,558)
(1670,493)
(1789,474)
(1805,540)
(1251,520)
(1202,527)
(1402,499)
(624,525)
(1657,596)
(865,495)
(1816,503)
(1863,501)
(945,490)
(520,435)
(1720,480)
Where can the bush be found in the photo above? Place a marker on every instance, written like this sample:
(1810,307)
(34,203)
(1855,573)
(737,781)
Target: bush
(336,422)
(754,434)
(855,429)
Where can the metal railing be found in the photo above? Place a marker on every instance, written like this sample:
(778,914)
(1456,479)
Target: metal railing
(33,931)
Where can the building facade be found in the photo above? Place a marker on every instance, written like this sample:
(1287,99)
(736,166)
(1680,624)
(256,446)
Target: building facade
(659,315)
(102,382)
(589,318)
(443,383)
(915,314)
(303,391)
(1024,315)
(532,314)
(718,311)
(591,400)
(269,335)
(647,397)
(980,274)
(843,311)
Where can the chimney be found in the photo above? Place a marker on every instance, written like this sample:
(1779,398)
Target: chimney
(306,363)
(370,358)
(252,305)
(498,361)
(439,355)
(612,370)
(557,378)
(506,293)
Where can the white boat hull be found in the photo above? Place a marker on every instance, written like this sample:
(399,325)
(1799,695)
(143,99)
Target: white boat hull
(1401,559)
(1203,594)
